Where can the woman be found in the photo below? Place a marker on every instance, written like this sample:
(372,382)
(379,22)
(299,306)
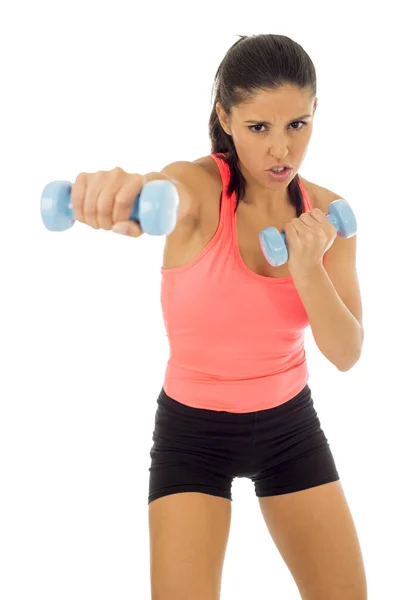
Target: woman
(235,400)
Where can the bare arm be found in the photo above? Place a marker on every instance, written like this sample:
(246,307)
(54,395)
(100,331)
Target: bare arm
(193,185)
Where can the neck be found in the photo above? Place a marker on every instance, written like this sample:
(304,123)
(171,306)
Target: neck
(266,202)
(264,199)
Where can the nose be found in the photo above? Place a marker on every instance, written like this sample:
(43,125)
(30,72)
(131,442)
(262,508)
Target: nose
(278,147)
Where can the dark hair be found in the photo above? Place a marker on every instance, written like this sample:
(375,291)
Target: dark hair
(255,63)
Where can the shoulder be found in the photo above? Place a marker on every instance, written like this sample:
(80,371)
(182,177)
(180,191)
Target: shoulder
(195,181)
(211,169)
(202,171)
(319,196)
(214,188)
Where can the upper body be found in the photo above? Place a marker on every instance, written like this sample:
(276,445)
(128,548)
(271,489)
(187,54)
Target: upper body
(200,182)
(200,189)
(235,322)
(235,328)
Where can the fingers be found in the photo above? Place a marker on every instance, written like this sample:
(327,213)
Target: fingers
(94,187)
(307,219)
(105,198)
(78,193)
(84,197)
(108,187)
(318,221)
(126,196)
(290,230)
(129,228)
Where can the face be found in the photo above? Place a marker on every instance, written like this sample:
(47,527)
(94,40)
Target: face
(274,135)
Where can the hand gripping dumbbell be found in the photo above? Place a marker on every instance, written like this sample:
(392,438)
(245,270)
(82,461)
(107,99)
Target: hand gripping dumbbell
(155,208)
(273,243)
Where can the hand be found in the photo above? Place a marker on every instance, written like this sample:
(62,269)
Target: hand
(308,238)
(106,198)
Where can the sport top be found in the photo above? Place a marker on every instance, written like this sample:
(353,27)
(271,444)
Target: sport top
(236,338)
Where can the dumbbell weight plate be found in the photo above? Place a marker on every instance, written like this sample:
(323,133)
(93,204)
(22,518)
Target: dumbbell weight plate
(158,206)
(344,217)
(273,246)
(55,206)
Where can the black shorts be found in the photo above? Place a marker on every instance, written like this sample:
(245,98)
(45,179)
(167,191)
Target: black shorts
(281,449)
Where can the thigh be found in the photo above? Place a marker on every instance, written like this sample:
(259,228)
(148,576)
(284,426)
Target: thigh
(196,450)
(291,450)
(314,531)
(188,540)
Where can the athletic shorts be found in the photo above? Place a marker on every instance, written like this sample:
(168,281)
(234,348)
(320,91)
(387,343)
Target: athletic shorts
(282,449)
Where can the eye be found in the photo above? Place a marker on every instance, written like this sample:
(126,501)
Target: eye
(304,123)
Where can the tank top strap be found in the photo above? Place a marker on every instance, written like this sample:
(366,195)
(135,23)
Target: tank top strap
(227,202)
(307,205)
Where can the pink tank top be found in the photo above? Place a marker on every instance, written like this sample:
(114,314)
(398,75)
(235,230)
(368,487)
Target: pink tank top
(236,338)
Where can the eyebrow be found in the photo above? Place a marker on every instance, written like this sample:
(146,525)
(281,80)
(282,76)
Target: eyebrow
(267,122)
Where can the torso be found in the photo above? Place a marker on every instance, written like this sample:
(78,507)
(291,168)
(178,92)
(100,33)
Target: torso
(249,223)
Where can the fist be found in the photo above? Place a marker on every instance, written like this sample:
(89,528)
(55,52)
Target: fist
(106,198)
(308,239)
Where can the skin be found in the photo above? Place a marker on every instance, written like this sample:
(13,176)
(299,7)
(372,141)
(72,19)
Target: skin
(261,146)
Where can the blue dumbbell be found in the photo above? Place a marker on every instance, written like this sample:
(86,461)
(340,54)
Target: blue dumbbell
(273,243)
(155,208)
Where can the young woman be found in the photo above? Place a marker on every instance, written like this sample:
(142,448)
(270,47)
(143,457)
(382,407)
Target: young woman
(235,400)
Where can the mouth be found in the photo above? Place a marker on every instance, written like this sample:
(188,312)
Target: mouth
(279,168)
(280,175)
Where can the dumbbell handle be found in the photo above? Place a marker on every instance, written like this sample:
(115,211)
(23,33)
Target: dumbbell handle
(332,218)
(134,215)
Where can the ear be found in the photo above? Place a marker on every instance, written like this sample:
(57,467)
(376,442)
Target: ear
(222,118)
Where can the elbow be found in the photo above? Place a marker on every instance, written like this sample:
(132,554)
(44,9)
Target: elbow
(347,362)
(347,366)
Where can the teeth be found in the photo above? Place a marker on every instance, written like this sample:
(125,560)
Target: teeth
(278,170)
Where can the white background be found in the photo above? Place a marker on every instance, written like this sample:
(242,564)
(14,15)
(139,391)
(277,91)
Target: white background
(88,86)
